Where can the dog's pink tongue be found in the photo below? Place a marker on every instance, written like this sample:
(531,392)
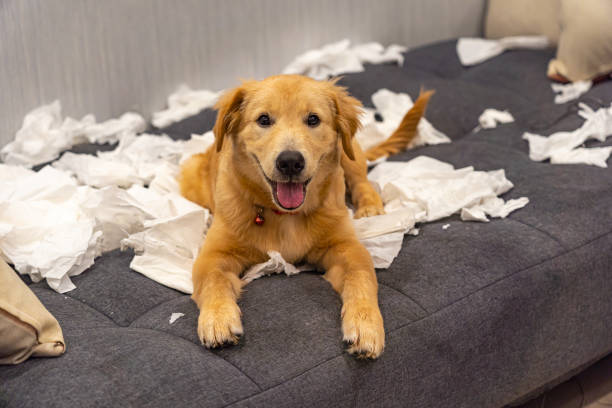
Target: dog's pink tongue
(290,195)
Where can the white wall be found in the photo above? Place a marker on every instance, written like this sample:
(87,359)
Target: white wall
(108,56)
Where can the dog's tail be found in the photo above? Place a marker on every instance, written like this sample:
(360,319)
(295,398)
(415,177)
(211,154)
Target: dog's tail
(405,133)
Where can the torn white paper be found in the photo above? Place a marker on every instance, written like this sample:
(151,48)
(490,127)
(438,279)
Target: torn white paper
(144,153)
(97,172)
(175,316)
(445,226)
(562,147)
(276,264)
(183,103)
(495,207)
(141,159)
(169,243)
(490,118)
(49,229)
(52,228)
(568,92)
(400,220)
(66,225)
(340,58)
(384,248)
(392,107)
(43,134)
(433,189)
(472,51)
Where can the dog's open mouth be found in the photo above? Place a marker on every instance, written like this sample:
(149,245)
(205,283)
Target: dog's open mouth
(289,195)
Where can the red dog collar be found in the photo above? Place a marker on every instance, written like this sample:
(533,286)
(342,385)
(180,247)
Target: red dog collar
(259,218)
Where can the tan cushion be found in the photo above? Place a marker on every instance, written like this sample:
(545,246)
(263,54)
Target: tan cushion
(26,327)
(506,18)
(585,45)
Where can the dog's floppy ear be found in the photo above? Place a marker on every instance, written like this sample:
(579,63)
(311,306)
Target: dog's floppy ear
(347,116)
(228,116)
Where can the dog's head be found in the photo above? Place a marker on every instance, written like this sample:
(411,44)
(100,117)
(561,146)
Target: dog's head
(285,133)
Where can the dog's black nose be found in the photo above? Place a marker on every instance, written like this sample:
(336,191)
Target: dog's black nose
(290,163)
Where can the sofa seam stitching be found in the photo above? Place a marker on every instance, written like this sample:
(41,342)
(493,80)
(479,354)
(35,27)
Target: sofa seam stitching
(517,272)
(405,295)
(184,340)
(83,303)
(548,234)
(155,307)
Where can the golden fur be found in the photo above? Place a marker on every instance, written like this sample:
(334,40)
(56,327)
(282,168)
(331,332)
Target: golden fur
(230,179)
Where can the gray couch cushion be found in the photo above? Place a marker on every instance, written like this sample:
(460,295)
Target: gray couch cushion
(476,315)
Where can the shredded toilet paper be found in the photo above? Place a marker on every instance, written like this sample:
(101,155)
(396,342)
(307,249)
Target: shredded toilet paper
(168,245)
(420,190)
(490,118)
(276,264)
(136,160)
(175,316)
(55,222)
(97,172)
(472,51)
(571,91)
(183,103)
(340,58)
(432,189)
(51,228)
(43,134)
(392,107)
(562,147)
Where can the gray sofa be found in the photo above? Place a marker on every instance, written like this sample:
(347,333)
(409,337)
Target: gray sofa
(477,315)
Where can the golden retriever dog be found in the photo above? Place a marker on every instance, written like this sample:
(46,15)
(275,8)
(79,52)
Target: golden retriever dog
(275,180)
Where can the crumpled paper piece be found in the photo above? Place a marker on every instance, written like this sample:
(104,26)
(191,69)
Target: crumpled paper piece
(472,51)
(568,92)
(384,248)
(136,160)
(493,206)
(490,118)
(51,228)
(97,172)
(168,245)
(435,189)
(392,107)
(175,316)
(425,190)
(43,134)
(562,147)
(340,58)
(183,103)
(276,264)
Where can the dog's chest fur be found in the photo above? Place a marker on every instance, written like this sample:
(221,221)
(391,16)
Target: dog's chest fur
(285,233)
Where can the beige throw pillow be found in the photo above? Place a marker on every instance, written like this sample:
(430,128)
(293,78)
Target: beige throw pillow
(26,327)
(507,18)
(585,45)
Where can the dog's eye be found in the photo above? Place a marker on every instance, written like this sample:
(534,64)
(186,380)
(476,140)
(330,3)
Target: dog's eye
(313,120)
(264,120)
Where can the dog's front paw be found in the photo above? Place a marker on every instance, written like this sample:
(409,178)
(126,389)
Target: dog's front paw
(219,324)
(369,210)
(363,330)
